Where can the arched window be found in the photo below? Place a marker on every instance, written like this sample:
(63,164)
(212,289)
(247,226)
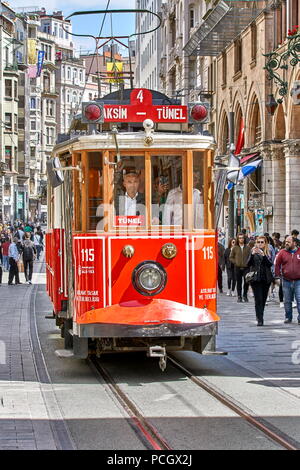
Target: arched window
(224,135)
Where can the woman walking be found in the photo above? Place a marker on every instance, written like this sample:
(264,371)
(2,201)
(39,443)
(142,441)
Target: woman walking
(231,280)
(260,264)
(239,256)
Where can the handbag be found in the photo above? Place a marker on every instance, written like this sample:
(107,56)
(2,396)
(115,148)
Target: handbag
(251,276)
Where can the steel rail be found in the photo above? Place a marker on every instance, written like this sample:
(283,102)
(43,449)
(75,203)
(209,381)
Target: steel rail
(147,433)
(275,434)
(59,428)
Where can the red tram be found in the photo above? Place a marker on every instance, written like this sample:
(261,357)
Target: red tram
(131,245)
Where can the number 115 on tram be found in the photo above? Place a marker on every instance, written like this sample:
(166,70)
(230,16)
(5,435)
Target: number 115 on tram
(131,245)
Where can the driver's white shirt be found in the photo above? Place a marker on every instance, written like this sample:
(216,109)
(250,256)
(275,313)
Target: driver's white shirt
(130,204)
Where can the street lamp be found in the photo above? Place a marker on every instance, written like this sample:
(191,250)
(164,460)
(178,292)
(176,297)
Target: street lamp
(271,104)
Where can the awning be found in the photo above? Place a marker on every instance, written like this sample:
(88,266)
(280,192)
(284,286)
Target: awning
(221,25)
(246,158)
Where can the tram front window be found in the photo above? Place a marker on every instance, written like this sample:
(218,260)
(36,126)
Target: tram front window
(129,192)
(167,191)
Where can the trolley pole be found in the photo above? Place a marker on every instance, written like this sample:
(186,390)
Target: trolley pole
(231,218)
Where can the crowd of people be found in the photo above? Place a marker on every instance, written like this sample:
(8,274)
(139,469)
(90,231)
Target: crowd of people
(20,245)
(261,263)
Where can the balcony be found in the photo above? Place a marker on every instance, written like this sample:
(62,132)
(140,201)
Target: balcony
(11,68)
(51,92)
(221,25)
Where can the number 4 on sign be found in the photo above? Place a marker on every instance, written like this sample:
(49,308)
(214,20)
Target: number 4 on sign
(208,252)
(140,96)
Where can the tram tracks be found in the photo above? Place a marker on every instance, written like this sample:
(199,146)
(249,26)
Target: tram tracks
(152,438)
(262,425)
(147,433)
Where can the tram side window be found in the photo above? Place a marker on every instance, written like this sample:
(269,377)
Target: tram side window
(198,189)
(167,193)
(95,189)
(129,192)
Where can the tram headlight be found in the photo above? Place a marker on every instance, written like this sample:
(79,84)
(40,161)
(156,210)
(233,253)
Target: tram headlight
(199,113)
(149,278)
(92,112)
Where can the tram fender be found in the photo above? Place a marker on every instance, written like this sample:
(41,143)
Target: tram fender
(153,311)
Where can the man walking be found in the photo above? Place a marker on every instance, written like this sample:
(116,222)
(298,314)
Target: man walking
(239,256)
(13,256)
(287,266)
(28,257)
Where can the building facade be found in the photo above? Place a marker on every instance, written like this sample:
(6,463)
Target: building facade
(148,46)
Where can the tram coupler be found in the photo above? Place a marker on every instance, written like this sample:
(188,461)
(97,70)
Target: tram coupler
(156,351)
(159,351)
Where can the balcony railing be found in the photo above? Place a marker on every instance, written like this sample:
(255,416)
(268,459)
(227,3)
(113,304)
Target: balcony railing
(11,68)
(50,91)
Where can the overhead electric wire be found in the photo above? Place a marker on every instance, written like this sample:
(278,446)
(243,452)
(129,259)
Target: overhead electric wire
(91,64)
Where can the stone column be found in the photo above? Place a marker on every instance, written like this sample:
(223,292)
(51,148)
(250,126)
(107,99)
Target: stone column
(277,222)
(267,181)
(292,178)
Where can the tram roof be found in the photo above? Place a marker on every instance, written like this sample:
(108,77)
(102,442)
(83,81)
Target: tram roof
(135,141)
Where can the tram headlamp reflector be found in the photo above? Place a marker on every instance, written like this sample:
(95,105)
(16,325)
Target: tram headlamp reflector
(149,278)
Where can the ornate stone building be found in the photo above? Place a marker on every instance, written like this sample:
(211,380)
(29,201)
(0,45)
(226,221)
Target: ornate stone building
(232,38)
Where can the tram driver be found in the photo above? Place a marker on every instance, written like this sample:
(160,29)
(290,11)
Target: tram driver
(131,202)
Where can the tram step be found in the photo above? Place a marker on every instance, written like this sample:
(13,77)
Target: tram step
(64,353)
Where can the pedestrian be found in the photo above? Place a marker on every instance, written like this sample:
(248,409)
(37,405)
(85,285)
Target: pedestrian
(5,247)
(287,265)
(295,234)
(260,264)
(221,266)
(29,252)
(1,262)
(239,257)
(37,240)
(28,229)
(277,241)
(14,257)
(231,280)
(244,232)
(19,233)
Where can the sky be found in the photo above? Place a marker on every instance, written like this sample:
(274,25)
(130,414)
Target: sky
(122,24)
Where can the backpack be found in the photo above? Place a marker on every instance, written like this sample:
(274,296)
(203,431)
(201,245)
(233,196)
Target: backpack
(27,253)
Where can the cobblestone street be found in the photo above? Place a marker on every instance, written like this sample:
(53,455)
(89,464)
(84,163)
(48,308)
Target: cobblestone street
(272,351)
(29,407)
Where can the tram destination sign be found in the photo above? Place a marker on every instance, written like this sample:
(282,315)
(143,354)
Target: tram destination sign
(141,108)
